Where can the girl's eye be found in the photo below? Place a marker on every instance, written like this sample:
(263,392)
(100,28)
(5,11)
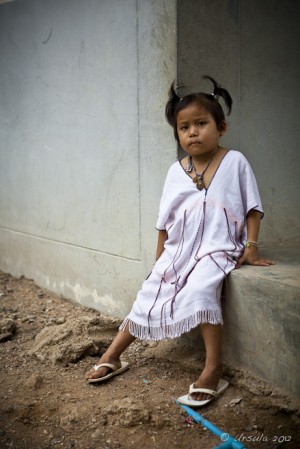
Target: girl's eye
(201,123)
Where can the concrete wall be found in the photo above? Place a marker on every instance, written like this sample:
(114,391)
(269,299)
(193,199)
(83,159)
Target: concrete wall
(84,144)
(261,316)
(251,48)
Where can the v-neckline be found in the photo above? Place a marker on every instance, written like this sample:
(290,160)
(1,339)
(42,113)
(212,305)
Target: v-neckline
(213,176)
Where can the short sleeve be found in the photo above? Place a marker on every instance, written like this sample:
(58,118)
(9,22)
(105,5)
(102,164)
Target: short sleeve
(163,212)
(249,189)
(166,200)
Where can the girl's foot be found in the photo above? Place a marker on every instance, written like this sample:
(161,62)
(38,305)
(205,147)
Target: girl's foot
(101,372)
(209,379)
(121,341)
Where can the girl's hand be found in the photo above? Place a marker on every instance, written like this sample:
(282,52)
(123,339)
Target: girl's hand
(251,257)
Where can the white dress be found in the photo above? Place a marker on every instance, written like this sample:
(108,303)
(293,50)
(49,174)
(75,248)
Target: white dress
(206,235)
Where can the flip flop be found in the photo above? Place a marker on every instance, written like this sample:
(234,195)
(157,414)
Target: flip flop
(114,371)
(187,400)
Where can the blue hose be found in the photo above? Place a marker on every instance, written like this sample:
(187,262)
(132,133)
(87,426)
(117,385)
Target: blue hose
(228,441)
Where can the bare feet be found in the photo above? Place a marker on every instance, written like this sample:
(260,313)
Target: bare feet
(209,379)
(101,372)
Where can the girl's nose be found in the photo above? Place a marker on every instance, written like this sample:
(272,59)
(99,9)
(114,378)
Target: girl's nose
(193,130)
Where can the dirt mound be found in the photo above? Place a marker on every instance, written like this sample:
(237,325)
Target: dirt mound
(70,341)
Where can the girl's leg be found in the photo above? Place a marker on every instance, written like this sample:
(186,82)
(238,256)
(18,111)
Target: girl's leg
(210,376)
(121,341)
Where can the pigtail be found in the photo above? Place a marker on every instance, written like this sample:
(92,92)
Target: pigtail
(171,105)
(219,91)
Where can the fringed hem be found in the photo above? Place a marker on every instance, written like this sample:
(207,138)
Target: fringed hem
(172,330)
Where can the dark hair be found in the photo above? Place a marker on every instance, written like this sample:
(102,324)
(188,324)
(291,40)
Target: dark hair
(207,101)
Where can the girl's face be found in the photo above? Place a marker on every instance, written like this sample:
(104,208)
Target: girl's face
(197,130)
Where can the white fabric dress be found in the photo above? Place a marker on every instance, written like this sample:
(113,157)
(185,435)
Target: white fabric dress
(206,235)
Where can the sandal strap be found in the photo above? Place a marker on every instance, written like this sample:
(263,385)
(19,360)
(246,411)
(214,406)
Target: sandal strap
(202,390)
(106,365)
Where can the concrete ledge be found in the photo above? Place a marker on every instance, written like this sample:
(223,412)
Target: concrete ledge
(261,315)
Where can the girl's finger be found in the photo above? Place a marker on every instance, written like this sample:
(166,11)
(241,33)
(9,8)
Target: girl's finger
(267,261)
(264,262)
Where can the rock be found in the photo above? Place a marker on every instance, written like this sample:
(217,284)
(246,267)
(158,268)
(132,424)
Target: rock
(34,382)
(70,341)
(97,434)
(160,420)
(60,320)
(127,412)
(257,427)
(72,416)
(5,337)
(70,420)
(7,329)
(259,387)
(234,402)
(7,325)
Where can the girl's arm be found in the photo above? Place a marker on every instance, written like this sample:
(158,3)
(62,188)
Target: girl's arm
(162,237)
(250,255)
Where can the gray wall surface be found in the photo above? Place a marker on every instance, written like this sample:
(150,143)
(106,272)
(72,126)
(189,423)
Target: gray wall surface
(252,49)
(84,146)
(84,143)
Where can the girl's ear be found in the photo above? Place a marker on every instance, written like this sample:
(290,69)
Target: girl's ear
(223,128)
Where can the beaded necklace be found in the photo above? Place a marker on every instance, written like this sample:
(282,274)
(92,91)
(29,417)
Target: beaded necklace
(198,179)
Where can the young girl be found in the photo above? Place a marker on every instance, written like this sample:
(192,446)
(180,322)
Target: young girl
(208,225)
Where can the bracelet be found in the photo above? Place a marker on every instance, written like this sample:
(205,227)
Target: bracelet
(251,243)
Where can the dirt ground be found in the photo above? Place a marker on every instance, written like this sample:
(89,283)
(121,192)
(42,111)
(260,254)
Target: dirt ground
(48,343)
